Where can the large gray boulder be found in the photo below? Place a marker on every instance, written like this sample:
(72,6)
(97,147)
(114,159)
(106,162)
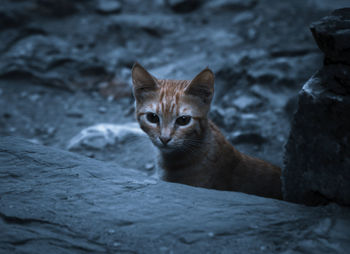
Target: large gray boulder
(317,158)
(53,201)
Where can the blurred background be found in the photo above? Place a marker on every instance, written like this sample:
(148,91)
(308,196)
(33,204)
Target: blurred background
(65,69)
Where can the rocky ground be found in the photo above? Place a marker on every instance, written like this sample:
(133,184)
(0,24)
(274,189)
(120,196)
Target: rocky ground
(53,201)
(52,49)
(65,81)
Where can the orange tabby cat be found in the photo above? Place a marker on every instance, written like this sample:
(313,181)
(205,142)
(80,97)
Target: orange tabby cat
(192,149)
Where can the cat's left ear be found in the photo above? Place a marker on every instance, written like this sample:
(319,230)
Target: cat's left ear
(143,82)
(202,85)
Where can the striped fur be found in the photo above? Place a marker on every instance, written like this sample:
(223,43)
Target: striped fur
(196,153)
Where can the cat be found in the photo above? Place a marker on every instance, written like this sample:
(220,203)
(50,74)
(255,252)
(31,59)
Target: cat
(192,150)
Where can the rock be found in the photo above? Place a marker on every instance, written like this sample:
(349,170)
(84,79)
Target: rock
(150,26)
(54,201)
(270,96)
(75,113)
(108,6)
(276,72)
(120,143)
(336,77)
(115,89)
(317,157)
(184,6)
(243,17)
(225,118)
(230,5)
(7,115)
(102,110)
(291,107)
(332,34)
(57,8)
(12,17)
(239,137)
(53,62)
(247,102)
(34,97)
(101,135)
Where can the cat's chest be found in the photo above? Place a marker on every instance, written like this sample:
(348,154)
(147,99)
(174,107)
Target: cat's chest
(200,174)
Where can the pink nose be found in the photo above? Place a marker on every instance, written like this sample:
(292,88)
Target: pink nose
(165,140)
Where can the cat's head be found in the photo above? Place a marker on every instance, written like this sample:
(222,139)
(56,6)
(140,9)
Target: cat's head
(173,112)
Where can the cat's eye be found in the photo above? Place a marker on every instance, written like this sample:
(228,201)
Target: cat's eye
(183,120)
(153,118)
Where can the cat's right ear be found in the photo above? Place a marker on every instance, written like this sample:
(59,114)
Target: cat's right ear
(143,82)
(202,86)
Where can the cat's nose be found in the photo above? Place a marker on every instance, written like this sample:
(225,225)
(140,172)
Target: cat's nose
(165,140)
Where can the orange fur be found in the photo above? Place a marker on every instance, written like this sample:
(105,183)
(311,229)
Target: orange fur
(196,153)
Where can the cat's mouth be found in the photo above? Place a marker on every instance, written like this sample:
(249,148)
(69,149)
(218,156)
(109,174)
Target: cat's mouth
(165,147)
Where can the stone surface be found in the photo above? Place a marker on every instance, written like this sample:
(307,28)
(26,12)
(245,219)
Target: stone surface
(317,157)
(54,201)
(248,137)
(231,5)
(109,6)
(317,160)
(70,45)
(43,58)
(184,6)
(124,144)
(51,46)
(332,34)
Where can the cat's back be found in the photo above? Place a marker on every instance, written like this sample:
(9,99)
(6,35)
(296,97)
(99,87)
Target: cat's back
(240,172)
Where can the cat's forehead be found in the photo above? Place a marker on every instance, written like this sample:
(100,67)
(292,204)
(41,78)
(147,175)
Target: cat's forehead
(171,100)
(169,108)
(171,86)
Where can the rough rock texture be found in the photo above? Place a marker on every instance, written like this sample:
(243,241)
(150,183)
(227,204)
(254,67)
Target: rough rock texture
(260,56)
(52,201)
(317,158)
(332,35)
(184,6)
(124,144)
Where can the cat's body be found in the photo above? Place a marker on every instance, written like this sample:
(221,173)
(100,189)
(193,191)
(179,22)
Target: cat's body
(192,149)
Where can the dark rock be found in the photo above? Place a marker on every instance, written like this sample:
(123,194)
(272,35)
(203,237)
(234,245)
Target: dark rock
(6,115)
(184,6)
(74,113)
(239,137)
(291,107)
(109,6)
(278,72)
(336,78)
(291,52)
(10,18)
(53,62)
(317,157)
(225,118)
(115,89)
(231,5)
(247,102)
(54,201)
(332,34)
(57,8)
